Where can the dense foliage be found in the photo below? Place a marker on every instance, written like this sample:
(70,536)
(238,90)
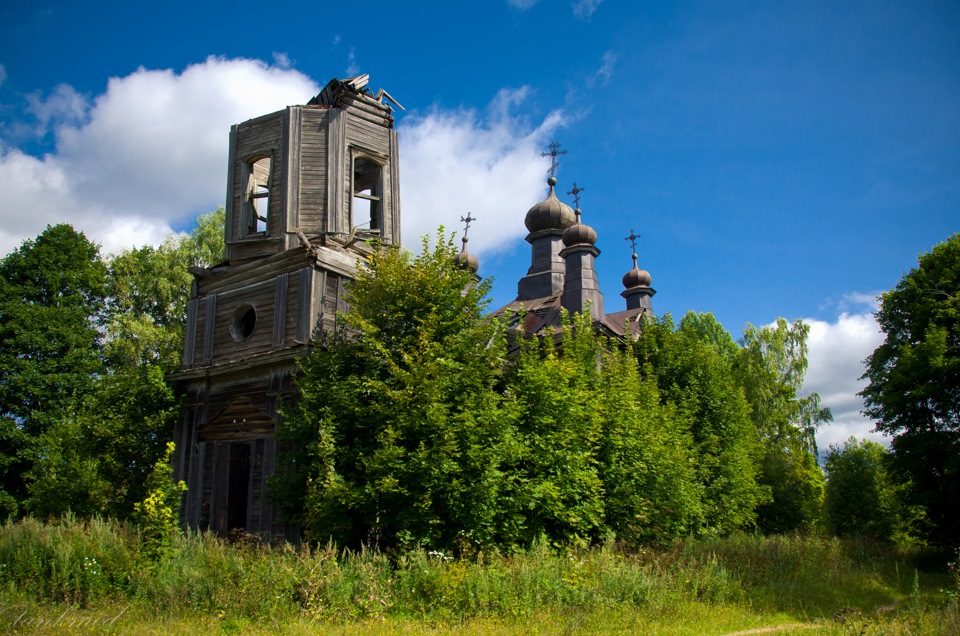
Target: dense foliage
(414,427)
(86,343)
(914,389)
(423,423)
(863,498)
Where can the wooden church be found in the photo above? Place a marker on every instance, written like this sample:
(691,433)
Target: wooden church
(307,188)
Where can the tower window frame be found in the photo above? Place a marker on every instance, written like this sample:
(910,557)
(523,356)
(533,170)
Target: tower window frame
(366,192)
(258,191)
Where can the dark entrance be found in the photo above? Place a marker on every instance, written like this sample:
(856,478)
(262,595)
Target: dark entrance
(237,488)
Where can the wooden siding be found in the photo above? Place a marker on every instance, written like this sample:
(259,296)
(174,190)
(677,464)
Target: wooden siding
(366,134)
(312,183)
(253,138)
(338,174)
(261,297)
(289,187)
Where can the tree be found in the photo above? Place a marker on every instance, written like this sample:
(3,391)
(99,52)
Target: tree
(95,454)
(914,383)
(52,300)
(693,374)
(647,462)
(770,367)
(862,497)
(397,436)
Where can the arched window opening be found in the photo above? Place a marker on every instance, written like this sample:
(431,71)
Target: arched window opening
(257,198)
(367,205)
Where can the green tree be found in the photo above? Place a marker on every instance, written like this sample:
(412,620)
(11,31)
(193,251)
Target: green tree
(862,497)
(96,454)
(397,436)
(914,383)
(646,460)
(52,301)
(770,367)
(559,493)
(693,374)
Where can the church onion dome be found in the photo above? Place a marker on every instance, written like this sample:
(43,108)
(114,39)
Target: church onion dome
(579,234)
(466,260)
(549,214)
(636,277)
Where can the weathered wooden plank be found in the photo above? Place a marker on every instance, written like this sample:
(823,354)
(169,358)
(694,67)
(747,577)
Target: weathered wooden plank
(336,151)
(304,305)
(190,335)
(280,311)
(210,313)
(231,222)
(393,199)
(269,467)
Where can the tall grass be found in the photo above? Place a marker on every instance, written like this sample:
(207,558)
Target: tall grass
(98,563)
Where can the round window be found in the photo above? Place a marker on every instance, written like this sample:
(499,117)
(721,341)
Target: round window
(244,321)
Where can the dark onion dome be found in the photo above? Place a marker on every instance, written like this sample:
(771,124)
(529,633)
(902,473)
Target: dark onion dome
(636,277)
(549,214)
(579,234)
(466,260)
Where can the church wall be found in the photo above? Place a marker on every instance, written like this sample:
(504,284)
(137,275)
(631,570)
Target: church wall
(312,182)
(263,135)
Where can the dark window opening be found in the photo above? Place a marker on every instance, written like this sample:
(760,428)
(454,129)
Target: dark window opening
(238,486)
(244,322)
(367,206)
(257,195)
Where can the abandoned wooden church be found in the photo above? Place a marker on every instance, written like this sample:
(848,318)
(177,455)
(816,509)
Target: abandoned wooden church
(308,187)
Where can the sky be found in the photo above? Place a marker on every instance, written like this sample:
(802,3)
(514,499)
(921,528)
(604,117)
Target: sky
(777,158)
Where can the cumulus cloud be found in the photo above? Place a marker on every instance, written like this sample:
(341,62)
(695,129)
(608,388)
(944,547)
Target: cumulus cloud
(836,353)
(146,155)
(454,162)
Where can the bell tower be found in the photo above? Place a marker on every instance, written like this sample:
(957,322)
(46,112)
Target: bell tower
(328,169)
(311,190)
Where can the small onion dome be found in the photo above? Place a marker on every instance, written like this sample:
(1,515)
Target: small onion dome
(549,214)
(636,277)
(466,260)
(579,234)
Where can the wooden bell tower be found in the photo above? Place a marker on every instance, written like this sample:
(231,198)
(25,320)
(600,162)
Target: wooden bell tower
(310,190)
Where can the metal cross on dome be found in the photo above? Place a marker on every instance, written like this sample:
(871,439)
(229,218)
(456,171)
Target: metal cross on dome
(466,219)
(576,195)
(555,151)
(632,238)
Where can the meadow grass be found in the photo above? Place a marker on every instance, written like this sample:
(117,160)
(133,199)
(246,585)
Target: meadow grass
(78,576)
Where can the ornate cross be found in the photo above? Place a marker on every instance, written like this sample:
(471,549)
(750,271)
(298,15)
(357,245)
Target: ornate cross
(553,154)
(632,238)
(466,219)
(576,195)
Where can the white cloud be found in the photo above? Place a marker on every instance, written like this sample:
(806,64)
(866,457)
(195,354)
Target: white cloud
(454,162)
(282,60)
(3,74)
(584,9)
(64,107)
(352,68)
(522,4)
(149,153)
(605,71)
(836,354)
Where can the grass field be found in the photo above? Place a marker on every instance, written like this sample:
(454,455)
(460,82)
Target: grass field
(89,577)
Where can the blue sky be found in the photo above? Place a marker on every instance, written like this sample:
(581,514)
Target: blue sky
(778,159)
